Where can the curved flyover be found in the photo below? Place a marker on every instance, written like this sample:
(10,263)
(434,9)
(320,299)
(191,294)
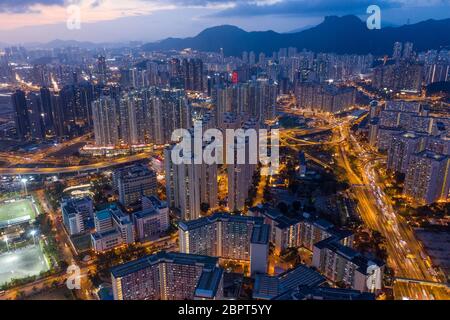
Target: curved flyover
(73,169)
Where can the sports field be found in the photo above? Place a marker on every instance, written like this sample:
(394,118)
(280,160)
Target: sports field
(22,263)
(20,211)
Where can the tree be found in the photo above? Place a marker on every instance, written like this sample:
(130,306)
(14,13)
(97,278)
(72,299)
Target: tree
(294,186)
(296,205)
(267,194)
(204,207)
(283,207)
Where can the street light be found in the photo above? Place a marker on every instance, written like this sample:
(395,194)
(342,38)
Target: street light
(24,181)
(33,233)
(6,240)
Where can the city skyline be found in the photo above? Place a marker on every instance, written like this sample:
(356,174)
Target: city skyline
(233,166)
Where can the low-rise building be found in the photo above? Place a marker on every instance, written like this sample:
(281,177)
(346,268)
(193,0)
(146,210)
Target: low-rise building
(76,213)
(152,220)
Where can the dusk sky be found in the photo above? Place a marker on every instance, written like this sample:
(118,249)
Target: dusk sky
(24,21)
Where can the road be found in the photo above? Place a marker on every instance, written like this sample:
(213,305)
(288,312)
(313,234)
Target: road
(40,285)
(73,169)
(405,252)
(45,155)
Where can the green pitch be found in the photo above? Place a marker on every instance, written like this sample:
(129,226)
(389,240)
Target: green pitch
(12,211)
(22,263)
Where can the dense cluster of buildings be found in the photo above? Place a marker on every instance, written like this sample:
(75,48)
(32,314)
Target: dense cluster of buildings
(332,248)
(44,113)
(229,237)
(189,185)
(130,103)
(418,146)
(140,117)
(246,239)
(398,76)
(112,226)
(408,71)
(136,102)
(324,97)
(254,98)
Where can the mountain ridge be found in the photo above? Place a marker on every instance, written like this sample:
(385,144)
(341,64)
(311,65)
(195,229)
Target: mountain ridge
(342,35)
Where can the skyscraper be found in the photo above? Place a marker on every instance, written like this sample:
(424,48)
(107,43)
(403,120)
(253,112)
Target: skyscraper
(23,125)
(397,54)
(408,50)
(402,146)
(193,74)
(102,69)
(132,119)
(168,110)
(240,173)
(36,116)
(47,110)
(105,120)
(182,186)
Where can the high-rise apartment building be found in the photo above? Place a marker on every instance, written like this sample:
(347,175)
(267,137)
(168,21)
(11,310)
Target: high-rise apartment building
(404,76)
(324,97)
(168,276)
(398,48)
(428,177)
(132,123)
(343,264)
(168,110)
(256,99)
(183,185)
(240,173)
(23,125)
(229,237)
(402,146)
(105,119)
(193,74)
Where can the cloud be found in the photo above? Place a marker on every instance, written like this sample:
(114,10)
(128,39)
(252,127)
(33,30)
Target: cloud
(23,6)
(248,8)
(303,7)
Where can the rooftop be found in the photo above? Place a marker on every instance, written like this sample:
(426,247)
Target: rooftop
(348,253)
(163,257)
(324,293)
(194,224)
(268,287)
(432,155)
(208,283)
(103,215)
(260,234)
